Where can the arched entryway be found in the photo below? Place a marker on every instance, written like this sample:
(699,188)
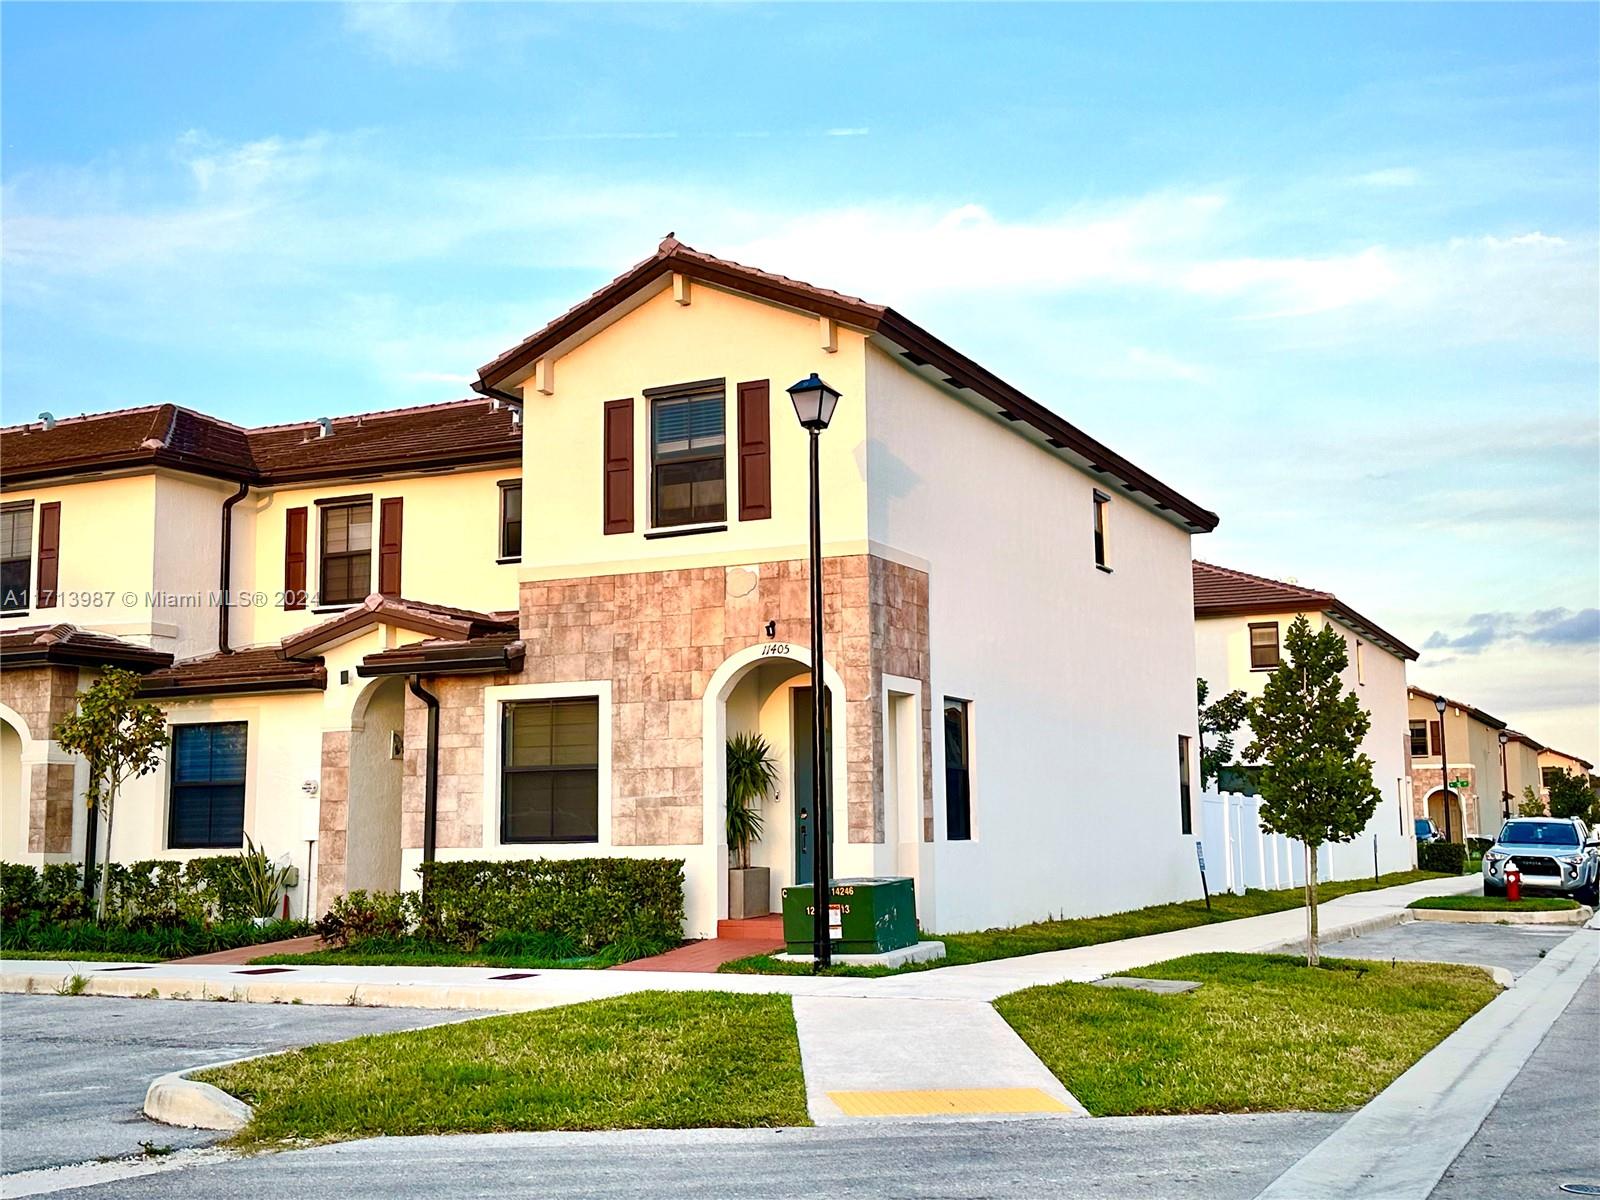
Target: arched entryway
(1439,803)
(13,795)
(766,689)
(377,769)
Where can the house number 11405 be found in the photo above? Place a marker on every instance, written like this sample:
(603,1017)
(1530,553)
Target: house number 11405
(775,650)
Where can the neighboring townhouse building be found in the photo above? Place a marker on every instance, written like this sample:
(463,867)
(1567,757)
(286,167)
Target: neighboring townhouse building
(1239,625)
(1551,760)
(1519,769)
(1007,605)
(1470,803)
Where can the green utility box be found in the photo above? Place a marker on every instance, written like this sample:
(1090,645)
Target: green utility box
(869,916)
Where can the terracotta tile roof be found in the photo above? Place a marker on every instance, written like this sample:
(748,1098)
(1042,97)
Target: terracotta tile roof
(493,652)
(1476,713)
(68,644)
(262,669)
(418,615)
(916,345)
(1225,592)
(462,432)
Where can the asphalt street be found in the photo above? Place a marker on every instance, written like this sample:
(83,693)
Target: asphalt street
(74,1069)
(1518,948)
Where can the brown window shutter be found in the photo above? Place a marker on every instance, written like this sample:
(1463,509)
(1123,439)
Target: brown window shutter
(618,466)
(389,538)
(755,450)
(294,558)
(1434,737)
(49,554)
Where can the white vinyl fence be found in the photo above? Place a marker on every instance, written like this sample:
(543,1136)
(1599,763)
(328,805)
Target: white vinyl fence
(1240,855)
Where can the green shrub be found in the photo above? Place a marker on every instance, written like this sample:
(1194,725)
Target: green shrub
(362,916)
(593,902)
(1477,846)
(1449,857)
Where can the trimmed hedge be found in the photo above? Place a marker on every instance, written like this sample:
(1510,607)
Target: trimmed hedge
(1449,857)
(591,904)
(169,941)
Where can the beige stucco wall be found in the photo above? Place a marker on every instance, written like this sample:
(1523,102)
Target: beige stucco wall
(451,533)
(1474,755)
(1222,659)
(717,335)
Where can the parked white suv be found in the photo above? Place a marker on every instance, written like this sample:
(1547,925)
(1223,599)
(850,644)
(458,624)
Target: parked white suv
(1554,854)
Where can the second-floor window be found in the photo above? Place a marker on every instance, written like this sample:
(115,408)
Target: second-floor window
(1263,645)
(689,468)
(1102,503)
(346,553)
(511,520)
(1419,739)
(16,556)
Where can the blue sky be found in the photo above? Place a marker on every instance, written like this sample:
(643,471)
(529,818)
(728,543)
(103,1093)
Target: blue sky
(1329,270)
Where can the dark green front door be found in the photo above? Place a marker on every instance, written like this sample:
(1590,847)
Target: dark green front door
(805,784)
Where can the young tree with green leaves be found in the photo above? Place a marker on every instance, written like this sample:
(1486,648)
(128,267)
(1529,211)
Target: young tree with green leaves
(1221,720)
(1316,785)
(122,737)
(1571,796)
(1531,804)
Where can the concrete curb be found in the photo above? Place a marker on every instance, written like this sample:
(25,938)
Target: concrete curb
(1356,929)
(175,1099)
(1407,1137)
(354,995)
(1571,916)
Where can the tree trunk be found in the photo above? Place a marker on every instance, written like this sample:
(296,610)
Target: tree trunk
(1312,957)
(110,803)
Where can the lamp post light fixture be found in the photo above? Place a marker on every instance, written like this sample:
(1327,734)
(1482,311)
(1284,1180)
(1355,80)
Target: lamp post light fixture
(814,403)
(1505,778)
(1444,768)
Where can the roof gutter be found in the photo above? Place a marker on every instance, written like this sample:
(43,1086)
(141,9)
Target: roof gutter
(430,802)
(227,568)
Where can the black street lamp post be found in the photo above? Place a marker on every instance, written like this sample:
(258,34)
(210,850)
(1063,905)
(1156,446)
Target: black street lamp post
(814,402)
(1505,778)
(1444,769)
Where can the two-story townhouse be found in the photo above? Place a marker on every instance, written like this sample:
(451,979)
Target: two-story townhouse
(1239,624)
(1469,802)
(1007,603)
(1519,769)
(1553,760)
(193,550)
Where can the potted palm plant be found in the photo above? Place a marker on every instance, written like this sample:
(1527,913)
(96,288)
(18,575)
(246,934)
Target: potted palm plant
(751,778)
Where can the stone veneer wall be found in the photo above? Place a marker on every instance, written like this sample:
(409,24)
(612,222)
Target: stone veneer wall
(1427,780)
(658,637)
(333,815)
(42,697)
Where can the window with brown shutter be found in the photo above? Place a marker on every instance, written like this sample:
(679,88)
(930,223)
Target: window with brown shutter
(346,551)
(755,450)
(49,553)
(618,467)
(16,555)
(389,540)
(294,558)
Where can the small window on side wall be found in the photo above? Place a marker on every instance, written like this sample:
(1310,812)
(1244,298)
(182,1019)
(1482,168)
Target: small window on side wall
(957,770)
(1264,654)
(511,519)
(207,801)
(1185,791)
(1102,504)
(550,771)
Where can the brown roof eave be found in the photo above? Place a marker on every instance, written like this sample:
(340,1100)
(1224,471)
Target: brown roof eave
(1102,458)
(58,655)
(398,465)
(91,465)
(473,660)
(316,681)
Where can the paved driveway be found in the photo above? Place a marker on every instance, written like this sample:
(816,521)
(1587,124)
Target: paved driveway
(1518,948)
(75,1068)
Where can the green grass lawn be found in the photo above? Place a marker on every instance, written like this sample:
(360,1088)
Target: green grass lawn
(1496,903)
(1091,931)
(81,956)
(1263,1032)
(652,1060)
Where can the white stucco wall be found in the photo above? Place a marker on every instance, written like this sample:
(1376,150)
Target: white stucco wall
(372,842)
(1222,659)
(188,560)
(1080,680)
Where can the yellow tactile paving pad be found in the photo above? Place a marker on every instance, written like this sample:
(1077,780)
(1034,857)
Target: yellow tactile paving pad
(952,1101)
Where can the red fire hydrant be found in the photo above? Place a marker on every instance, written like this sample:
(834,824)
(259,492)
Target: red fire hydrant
(1513,883)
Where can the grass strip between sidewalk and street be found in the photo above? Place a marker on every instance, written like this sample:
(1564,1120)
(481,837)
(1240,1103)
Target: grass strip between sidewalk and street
(651,1060)
(1263,1033)
(378,953)
(1071,933)
(1496,904)
(81,956)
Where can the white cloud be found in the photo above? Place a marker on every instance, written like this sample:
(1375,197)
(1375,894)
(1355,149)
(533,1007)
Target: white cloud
(1299,286)
(406,33)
